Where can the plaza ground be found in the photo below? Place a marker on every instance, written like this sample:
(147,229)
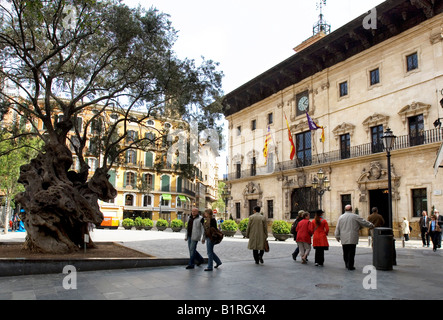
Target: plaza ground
(418,274)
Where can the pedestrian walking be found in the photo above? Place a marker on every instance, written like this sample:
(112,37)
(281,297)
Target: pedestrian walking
(377,220)
(405,229)
(210,222)
(294,233)
(304,237)
(319,229)
(423,223)
(439,220)
(257,233)
(347,232)
(194,233)
(434,231)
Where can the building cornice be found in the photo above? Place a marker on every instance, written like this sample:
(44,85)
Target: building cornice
(394,18)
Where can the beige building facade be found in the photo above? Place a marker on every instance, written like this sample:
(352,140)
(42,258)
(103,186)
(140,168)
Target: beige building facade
(355,83)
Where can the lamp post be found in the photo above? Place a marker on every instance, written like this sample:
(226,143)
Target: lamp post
(388,144)
(226,196)
(321,184)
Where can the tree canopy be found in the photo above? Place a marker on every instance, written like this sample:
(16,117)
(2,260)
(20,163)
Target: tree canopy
(60,58)
(64,56)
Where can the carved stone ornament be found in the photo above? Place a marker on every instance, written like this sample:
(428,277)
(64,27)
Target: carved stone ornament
(375,120)
(342,129)
(375,177)
(414,109)
(252,191)
(238,158)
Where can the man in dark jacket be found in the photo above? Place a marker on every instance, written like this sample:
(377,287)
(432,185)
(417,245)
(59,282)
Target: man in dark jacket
(376,219)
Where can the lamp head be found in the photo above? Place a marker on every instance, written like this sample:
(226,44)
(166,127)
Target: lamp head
(321,174)
(388,139)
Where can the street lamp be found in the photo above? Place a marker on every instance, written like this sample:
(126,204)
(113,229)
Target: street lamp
(321,184)
(226,196)
(388,144)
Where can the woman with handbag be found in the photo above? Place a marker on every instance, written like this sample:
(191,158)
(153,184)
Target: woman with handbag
(320,230)
(211,231)
(434,231)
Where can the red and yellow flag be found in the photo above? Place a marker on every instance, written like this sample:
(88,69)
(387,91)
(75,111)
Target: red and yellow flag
(267,142)
(292,154)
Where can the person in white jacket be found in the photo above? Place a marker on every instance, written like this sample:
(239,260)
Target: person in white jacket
(405,229)
(194,233)
(347,232)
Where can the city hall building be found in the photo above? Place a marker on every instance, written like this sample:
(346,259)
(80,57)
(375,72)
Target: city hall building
(351,85)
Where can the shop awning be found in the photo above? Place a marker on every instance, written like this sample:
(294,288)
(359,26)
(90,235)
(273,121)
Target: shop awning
(166,197)
(438,160)
(182,198)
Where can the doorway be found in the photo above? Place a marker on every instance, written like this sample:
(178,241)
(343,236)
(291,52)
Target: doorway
(252,204)
(379,198)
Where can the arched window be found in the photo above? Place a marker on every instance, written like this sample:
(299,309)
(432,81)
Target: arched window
(150,137)
(165,183)
(129,179)
(165,200)
(131,136)
(147,200)
(148,179)
(131,157)
(129,200)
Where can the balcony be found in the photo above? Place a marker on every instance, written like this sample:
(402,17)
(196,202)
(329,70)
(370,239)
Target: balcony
(401,142)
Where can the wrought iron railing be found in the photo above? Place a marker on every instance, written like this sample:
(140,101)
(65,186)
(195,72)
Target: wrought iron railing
(401,142)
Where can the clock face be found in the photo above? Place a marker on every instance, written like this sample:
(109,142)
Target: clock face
(303,103)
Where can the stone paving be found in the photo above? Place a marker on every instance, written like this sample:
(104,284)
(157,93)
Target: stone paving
(418,274)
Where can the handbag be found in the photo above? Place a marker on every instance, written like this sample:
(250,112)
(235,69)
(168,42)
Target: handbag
(215,235)
(266,246)
(437,227)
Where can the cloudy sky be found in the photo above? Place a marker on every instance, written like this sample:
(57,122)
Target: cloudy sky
(248,37)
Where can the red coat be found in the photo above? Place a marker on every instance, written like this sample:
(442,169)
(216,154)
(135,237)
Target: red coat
(304,232)
(320,233)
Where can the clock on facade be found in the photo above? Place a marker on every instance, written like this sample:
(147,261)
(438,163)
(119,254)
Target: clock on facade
(302,102)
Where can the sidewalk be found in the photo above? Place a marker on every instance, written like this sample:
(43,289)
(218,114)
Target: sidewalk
(418,274)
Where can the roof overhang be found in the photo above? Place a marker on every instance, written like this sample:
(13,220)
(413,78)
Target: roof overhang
(393,18)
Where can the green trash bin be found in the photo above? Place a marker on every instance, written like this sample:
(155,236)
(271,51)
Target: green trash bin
(383,249)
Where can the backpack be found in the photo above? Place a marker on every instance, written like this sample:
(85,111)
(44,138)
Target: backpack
(294,227)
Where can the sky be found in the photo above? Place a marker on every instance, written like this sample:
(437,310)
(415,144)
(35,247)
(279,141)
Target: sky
(248,37)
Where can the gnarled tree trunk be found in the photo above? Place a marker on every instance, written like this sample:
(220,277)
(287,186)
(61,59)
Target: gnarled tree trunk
(59,204)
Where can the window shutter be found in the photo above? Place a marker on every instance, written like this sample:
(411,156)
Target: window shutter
(112,177)
(148,159)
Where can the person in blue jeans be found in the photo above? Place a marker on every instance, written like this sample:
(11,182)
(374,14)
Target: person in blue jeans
(194,232)
(209,222)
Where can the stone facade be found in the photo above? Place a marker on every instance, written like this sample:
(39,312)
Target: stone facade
(397,84)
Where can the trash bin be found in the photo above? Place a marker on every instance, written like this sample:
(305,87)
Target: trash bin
(383,248)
